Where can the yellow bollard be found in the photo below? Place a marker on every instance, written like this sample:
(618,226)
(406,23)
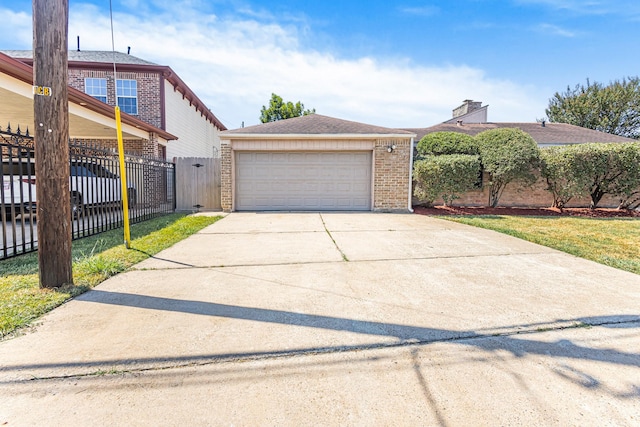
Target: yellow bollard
(123,181)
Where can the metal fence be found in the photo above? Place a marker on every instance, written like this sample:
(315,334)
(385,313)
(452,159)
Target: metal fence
(94,186)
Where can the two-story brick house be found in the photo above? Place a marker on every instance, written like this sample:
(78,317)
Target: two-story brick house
(150,92)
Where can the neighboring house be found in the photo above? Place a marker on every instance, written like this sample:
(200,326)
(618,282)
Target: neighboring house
(316,163)
(474,120)
(152,93)
(89,119)
(91,123)
(470,118)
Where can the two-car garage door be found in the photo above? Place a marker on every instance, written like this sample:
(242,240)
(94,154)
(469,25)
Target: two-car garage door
(269,181)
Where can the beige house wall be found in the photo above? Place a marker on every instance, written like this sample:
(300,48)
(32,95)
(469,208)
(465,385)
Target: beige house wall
(198,137)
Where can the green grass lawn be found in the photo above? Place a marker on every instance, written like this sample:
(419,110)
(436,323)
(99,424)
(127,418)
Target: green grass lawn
(612,242)
(95,259)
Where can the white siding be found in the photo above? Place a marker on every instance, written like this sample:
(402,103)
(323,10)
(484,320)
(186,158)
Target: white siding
(197,136)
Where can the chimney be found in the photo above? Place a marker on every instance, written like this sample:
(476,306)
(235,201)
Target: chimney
(459,122)
(468,105)
(543,123)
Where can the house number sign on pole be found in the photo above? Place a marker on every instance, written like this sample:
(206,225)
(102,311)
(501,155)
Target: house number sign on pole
(42,90)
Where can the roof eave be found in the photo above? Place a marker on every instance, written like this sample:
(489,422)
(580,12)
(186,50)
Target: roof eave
(90,103)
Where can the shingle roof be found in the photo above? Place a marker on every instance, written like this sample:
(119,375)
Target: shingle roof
(316,124)
(550,133)
(86,56)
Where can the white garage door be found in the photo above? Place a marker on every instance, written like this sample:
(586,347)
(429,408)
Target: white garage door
(303,181)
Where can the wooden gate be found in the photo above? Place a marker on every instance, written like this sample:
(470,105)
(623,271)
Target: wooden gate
(198,184)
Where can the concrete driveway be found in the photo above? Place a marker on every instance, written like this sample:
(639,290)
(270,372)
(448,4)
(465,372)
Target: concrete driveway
(337,319)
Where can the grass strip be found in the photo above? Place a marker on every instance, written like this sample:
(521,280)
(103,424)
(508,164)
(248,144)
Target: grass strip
(612,242)
(95,259)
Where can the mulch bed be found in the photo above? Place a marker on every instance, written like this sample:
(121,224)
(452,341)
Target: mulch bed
(481,210)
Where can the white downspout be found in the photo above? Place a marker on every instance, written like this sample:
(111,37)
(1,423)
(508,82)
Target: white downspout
(410,207)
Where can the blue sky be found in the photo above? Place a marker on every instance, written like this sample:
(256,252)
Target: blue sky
(390,63)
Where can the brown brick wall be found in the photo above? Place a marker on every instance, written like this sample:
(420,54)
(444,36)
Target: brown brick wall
(517,195)
(131,146)
(391,175)
(149,101)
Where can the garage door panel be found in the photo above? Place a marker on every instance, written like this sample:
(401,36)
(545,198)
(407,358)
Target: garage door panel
(259,157)
(303,181)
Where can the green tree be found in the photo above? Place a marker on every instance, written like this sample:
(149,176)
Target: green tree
(445,176)
(280,110)
(507,155)
(614,108)
(439,143)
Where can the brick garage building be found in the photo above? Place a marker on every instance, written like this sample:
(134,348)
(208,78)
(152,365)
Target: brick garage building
(316,163)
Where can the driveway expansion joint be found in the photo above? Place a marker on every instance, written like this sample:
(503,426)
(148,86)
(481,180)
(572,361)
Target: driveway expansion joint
(290,354)
(275,264)
(344,256)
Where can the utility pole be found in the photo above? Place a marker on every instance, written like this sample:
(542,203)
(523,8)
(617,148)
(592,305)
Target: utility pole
(51,131)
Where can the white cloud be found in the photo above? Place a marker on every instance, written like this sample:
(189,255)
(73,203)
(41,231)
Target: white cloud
(234,65)
(420,11)
(555,30)
(628,8)
(16,30)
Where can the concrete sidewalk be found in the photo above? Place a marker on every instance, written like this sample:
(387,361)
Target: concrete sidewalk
(337,319)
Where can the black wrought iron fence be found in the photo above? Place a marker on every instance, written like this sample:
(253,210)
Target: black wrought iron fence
(95,189)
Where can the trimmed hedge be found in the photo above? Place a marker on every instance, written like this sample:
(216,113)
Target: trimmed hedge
(594,169)
(448,165)
(443,143)
(508,155)
(445,176)
(556,167)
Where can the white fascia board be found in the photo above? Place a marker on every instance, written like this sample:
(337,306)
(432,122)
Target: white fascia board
(281,136)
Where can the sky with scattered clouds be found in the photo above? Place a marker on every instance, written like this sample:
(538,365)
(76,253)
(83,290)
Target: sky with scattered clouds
(390,63)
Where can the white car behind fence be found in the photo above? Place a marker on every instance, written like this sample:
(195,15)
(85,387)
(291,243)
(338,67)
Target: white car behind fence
(90,185)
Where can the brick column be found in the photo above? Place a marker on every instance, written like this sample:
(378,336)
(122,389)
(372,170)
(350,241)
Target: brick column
(391,175)
(153,193)
(226,196)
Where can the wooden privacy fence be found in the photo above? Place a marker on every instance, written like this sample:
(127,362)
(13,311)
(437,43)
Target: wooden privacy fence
(198,184)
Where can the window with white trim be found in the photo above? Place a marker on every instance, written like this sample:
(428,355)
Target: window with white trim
(96,88)
(127,94)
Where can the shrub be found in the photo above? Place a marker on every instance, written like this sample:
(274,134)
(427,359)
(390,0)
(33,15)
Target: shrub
(607,169)
(445,176)
(629,186)
(556,166)
(507,155)
(442,143)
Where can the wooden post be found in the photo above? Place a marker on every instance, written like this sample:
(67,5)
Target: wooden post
(51,132)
